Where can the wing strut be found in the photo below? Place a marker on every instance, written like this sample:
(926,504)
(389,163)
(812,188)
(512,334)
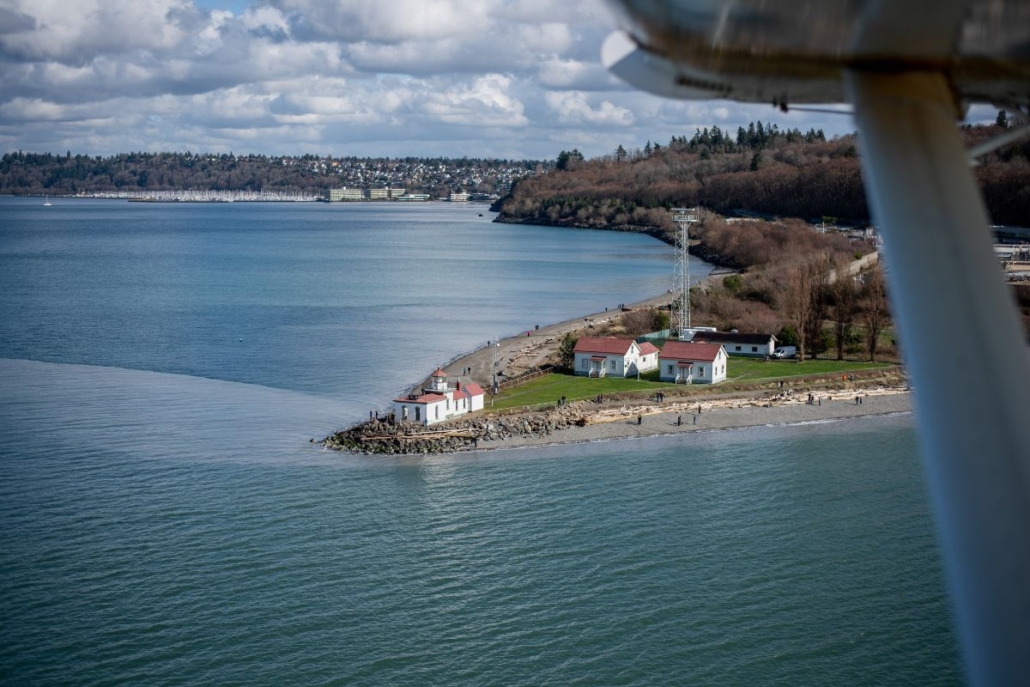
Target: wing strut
(965,353)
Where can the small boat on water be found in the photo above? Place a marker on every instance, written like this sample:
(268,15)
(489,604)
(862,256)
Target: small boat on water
(46,201)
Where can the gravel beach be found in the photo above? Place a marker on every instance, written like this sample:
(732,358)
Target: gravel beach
(719,415)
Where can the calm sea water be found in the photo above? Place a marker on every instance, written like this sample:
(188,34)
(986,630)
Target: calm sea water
(164,519)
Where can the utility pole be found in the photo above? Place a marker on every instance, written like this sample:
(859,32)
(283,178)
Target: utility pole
(684,217)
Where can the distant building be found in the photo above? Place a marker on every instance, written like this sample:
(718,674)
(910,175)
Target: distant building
(378,194)
(751,345)
(414,197)
(439,401)
(608,356)
(396,193)
(458,197)
(692,363)
(346,194)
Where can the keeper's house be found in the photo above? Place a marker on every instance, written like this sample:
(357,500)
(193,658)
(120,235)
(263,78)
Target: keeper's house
(608,356)
(439,401)
(751,345)
(692,363)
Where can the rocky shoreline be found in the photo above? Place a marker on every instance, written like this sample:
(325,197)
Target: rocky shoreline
(585,421)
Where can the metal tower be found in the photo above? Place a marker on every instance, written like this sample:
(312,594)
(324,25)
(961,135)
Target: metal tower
(684,217)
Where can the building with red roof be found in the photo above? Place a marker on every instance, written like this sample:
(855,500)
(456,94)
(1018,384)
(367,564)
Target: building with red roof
(439,401)
(608,356)
(692,363)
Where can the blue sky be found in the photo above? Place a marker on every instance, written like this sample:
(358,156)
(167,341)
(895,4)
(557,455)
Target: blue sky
(497,78)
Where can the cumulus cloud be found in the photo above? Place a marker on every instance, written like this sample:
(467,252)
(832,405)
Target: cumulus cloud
(573,107)
(514,78)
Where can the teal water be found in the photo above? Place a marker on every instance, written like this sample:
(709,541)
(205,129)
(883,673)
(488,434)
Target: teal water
(164,520)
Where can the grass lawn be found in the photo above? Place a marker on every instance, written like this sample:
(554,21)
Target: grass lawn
(549,388)
(756,370)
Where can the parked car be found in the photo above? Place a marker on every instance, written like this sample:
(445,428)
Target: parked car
(785,352)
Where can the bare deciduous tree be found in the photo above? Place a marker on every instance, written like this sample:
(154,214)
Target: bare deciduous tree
(844,303)
(797,302)
(874,309)
(817,267)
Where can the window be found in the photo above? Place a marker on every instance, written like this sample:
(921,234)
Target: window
(404,412)
(448,407)
(670,369)
(437,412)
(701,370)
(613,366)
(754,349)
(418,413)
(738,348)
(586,363)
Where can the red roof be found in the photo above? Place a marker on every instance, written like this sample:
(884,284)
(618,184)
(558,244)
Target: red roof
(608,345)
(647,348)
(682,350)
(439,373)
(472,389)
(424,398)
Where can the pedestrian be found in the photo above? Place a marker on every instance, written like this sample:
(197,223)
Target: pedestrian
(699,409)
(640,419)
(695,419)
(563,399)
(820,401)
(856,400)
(679,421)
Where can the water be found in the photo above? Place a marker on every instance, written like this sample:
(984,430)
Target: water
(164,519)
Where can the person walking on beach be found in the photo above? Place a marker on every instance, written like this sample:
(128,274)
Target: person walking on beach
(640,419)
(679,420)
(695,419)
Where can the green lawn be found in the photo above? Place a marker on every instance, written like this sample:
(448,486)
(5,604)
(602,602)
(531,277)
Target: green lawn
(756,370)
(549,388)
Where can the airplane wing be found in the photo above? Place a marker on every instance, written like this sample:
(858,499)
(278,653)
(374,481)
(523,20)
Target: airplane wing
(909,68)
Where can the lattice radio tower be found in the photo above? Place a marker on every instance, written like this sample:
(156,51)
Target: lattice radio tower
(684,217)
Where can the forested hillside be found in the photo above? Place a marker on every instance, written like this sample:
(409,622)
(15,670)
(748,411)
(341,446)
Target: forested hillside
(760,169)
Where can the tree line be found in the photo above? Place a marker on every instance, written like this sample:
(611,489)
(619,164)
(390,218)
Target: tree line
(762,169)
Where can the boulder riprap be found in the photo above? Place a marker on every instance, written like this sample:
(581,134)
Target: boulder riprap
(377,436)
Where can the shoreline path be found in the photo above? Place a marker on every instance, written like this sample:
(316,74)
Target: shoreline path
(518,354)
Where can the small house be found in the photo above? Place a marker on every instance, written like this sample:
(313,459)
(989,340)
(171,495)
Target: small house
(608,356)
(692,363)
(751,345)
(439,401)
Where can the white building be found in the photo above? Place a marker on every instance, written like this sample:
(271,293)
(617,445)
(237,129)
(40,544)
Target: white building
(692,363)
(341,194)
(751,345)
(608,356)
(439,401)
(458,197)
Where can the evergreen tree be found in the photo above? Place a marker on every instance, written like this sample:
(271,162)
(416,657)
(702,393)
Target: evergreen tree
(1002,120)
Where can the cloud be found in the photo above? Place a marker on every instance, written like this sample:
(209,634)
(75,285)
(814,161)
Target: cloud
(573,107)
(515,78)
